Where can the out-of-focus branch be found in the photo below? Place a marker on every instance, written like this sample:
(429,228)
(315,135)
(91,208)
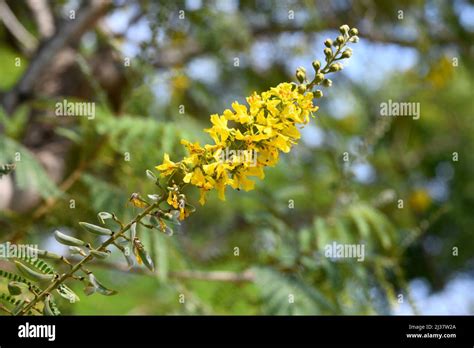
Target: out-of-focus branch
(68,182)
(43,17)
(175,56)
(70,32)
(14,26)
(219,276)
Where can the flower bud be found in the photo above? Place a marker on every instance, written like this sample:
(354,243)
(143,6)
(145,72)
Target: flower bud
(340,40)
(328,43)
(318,94)
(302,89)
(335,67)
(353,32)
(301,74)
(327,83)
(344,29)
(354,39)
(319,77)
(327,52)
(347,53)
(316,65)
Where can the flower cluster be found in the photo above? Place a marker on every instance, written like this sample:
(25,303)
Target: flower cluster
(266,126)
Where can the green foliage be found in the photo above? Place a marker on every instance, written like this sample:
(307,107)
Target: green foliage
(29,173)
(288,295)
(7,60)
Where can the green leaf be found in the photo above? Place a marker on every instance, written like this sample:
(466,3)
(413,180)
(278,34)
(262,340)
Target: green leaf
(30,273)
(68,240)
(67,293)
(10,299)
(98,287)
(96,229)
(360,222)
(15,288)
(278,290)
(143,255)
(103,215)
(151,176)
(380,225)
(69,134)
(47,310)
(305,239)
(105,196)
(19,278)
(323,233)
(39,264)
(29,173)
(100,254)
(44,254)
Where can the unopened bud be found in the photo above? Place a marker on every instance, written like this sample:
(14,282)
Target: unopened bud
(335,67)
(319,77)
(316,65)
(339,40)
(353,32)
(347,53)
(354,39)
(328,43)
(327,52)
(344,29)
(301,74)
(327,83)
(302,88)
(318,94)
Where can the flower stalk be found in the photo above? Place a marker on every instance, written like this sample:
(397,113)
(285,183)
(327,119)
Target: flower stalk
(246,140)
(78,266)
(267,125)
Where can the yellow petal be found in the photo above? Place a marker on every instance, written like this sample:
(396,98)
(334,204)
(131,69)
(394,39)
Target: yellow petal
(187,178)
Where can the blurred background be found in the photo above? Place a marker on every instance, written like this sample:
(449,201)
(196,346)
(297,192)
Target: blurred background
(156,70)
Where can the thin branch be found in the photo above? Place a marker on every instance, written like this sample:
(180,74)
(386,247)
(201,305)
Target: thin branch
(71,31)
(43,17)
(14,26)
(219,276)
(61,279)
(68,182)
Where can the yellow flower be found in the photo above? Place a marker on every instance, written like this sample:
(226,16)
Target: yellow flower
(219,131)
(137,201)
(267,125)
(202,196)
(221,185)
(240,181)
(281,142)
(168,167)
(241,114)
(193,148)
(173,200)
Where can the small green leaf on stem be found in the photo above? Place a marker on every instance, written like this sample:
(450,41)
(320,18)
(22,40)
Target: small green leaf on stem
(96,229)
